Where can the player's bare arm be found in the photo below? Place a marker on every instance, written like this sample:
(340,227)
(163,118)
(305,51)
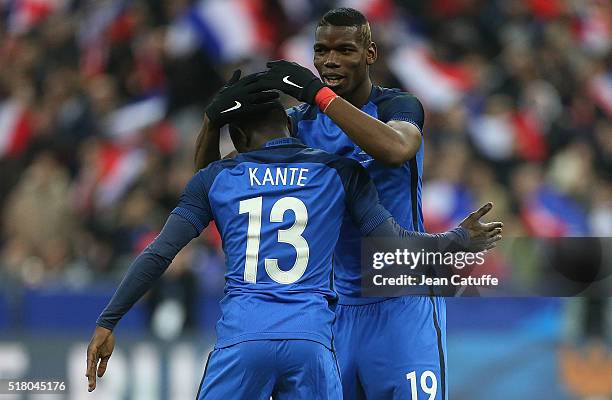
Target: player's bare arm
(207,145)
(393,143)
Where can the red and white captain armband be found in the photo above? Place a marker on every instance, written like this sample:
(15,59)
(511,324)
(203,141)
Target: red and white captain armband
(324,98)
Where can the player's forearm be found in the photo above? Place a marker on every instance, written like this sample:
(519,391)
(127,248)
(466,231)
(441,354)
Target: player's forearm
(375,137)
(147,268)
(455,240)
(207,145)
(141,276)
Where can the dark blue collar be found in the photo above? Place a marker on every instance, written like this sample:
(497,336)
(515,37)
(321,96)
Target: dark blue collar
(282,142)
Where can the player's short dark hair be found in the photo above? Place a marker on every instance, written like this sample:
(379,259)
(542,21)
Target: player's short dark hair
(276,115)
(345,16)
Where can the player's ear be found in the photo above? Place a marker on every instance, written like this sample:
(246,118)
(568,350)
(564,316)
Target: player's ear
(371,53)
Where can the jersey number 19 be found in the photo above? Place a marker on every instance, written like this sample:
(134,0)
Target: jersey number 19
(292,236)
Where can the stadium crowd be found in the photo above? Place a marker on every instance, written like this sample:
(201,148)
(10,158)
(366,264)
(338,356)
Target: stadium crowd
(101,102)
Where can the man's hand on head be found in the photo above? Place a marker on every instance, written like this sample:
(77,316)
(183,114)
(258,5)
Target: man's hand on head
(483,236)
(240,97)
(293,79)
(99,352)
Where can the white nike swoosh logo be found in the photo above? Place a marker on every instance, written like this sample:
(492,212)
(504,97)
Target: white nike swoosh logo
(288,82)
(237,106)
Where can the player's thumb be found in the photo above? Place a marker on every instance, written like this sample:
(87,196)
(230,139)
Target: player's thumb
(272,64)
(482,211)
(235,77)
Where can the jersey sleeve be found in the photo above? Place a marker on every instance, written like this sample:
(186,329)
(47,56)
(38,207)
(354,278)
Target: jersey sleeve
(294,116)
(403,107)
(362,200)
(455,240)
(147,268)
(193,204)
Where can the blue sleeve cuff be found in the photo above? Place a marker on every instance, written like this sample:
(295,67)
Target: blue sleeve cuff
(379,216)
(464,236)
(191,217)
(406,119)
(105,324)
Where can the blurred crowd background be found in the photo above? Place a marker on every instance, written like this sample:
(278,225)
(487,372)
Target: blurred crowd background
(101,102)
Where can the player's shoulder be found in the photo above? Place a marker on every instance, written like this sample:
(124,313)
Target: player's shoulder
(208,174)
(341,164)
(318,156)
(290,154)
(383,95)
(344,168)
(216,166)
(395,104)
(302,111)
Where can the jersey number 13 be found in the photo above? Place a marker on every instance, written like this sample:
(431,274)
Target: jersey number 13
(292,236)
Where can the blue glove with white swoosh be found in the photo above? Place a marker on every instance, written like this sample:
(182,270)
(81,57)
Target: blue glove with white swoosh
(240,97)
(293,79)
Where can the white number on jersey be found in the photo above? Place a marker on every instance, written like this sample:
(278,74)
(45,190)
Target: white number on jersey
(292,236)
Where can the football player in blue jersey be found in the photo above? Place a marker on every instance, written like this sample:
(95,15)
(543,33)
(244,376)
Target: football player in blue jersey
(279,206)
(379,341)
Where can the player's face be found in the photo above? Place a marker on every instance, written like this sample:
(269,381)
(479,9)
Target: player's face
(342,58)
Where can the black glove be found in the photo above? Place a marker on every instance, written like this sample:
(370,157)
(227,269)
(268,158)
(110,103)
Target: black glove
(291,78)
(240,97)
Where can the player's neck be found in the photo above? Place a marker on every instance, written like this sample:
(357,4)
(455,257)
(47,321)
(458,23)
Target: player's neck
(360,95)
(261,139)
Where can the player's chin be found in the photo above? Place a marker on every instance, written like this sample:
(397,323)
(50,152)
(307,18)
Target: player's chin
(339,88)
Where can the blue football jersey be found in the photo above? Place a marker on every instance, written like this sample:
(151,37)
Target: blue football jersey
(279,211)
(399,188)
